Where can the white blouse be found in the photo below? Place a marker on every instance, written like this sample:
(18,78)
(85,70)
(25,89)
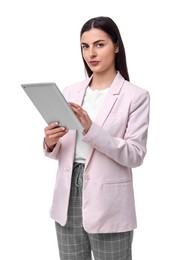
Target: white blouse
(91,104)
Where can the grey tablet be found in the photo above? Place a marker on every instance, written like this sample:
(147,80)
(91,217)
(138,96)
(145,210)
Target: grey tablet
(51,104)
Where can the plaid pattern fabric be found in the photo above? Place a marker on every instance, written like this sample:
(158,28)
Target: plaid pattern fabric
(76,244)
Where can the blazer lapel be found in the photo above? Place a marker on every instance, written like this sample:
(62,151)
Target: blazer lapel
(78,95)
(110,99)
(106,107)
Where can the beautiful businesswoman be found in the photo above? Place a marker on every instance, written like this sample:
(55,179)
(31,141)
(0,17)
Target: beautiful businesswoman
(93,203)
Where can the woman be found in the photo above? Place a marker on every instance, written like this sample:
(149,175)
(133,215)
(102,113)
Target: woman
(93,203)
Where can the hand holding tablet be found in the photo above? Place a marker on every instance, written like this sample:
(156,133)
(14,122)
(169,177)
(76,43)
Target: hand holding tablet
(52,105)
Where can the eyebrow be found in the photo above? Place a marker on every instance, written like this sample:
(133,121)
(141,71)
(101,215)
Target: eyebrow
(94,42)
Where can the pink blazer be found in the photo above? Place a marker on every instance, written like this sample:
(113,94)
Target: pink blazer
(118,143)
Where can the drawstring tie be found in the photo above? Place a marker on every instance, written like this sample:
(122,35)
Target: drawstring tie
(79,175)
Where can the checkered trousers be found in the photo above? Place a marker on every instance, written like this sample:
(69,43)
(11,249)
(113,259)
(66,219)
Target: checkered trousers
(76,244)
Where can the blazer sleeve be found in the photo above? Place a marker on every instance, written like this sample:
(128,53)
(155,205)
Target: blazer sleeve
(54,154)
(130,150)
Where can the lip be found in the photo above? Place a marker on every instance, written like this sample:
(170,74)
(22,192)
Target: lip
(94,62)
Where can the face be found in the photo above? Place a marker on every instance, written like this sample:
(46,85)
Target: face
(98,50)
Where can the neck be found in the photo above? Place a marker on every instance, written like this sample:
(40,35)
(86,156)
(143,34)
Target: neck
(102,81)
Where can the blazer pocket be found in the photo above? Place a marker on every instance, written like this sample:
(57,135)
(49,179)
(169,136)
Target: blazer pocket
(111,186)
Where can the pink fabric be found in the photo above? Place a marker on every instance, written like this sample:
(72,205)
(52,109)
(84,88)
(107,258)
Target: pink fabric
(118,143)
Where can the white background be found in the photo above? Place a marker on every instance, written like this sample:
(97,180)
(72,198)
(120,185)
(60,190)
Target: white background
(39,41)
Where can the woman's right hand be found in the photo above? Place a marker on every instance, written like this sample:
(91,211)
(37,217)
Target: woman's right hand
(53,132)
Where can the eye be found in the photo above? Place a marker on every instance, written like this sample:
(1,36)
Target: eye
(99,45)
(84,46)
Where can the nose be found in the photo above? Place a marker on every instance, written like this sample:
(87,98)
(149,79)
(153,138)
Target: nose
(92,52)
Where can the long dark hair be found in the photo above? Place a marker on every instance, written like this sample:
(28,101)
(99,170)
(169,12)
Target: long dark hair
(107,25)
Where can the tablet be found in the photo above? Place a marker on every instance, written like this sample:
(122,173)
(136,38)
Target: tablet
(52,105)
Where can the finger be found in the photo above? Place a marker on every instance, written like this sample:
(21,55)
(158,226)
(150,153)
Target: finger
(80,112)
(58,134)
(51,126)
(77,109)
(74,104)
(55,130)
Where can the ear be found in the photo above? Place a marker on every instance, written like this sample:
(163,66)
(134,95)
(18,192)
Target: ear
(116,49)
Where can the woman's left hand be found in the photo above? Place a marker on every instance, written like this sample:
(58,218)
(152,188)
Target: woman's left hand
(82,116)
